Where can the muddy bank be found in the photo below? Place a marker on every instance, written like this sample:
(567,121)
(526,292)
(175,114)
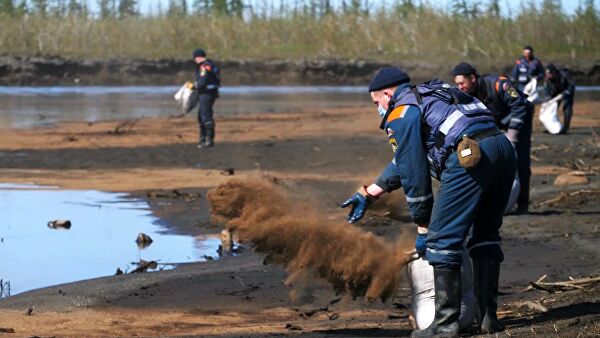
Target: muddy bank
(58,71)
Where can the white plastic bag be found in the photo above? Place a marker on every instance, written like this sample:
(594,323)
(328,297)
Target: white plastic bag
(531,90)
(535,92)
(420,277)
(514,194)
(186,97)
(549,115)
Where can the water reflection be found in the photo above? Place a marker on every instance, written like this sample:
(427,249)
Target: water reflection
(101,239)
(24,107)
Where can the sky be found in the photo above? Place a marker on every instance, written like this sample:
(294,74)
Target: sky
(151,6)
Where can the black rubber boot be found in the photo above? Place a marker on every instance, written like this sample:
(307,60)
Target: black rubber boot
(447,305)
(566,124)
(210,137)
(486,274)
(202,139)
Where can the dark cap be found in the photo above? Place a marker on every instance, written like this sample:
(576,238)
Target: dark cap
(551,68)
(199,53)
(528,47)
(464,68)
(388,77)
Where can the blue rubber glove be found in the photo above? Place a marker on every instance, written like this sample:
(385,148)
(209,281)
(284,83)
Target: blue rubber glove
(420,244)
(359,202)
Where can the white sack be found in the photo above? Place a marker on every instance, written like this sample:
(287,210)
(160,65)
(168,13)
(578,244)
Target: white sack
(514,194)
(420,277)
(549,115)
(186,97)
(535,92)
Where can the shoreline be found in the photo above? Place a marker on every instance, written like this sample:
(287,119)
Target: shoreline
(53,70)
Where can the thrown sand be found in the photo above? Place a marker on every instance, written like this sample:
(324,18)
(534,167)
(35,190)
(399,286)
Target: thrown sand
(294,234)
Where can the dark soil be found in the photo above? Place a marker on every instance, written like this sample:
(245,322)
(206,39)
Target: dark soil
(38,70)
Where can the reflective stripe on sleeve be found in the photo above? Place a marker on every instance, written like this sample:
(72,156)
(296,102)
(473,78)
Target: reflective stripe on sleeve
(444,252)
(419,199)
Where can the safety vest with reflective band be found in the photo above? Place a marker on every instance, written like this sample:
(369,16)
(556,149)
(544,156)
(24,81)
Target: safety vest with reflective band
(446,113)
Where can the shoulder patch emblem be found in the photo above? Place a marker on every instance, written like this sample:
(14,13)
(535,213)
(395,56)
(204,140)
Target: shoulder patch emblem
(397,113)
(393,144)
(505,86)
(513,92)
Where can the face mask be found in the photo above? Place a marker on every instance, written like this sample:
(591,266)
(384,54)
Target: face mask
(381,111)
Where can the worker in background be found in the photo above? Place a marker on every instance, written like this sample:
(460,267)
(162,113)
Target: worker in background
(513,113)
(558,82)
(526,68)
(207,83)
(435,129)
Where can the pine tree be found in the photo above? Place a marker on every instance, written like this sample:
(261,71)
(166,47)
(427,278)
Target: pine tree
(40,7)
(127,8)
(7,7)
(107,9)
(74,8)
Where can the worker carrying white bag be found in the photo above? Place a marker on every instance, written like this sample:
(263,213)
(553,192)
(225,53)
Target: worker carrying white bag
(420,277)
(187,97)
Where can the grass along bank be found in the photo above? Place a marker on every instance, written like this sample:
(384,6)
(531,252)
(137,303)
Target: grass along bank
(406,33)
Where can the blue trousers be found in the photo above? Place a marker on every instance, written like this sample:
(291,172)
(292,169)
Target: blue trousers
(524,160)
(205,109)
(472,198)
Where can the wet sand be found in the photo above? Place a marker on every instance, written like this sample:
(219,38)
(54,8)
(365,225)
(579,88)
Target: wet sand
(321,155)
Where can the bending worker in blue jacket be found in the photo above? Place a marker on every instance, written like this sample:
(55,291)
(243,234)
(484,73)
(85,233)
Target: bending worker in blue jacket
(438,130)
(513,113)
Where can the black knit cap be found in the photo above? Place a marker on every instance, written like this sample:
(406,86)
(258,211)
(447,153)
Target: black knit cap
(199,53)
(388,77)
(551,68)
(464,68)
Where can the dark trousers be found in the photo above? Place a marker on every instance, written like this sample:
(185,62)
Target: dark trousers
(524,160)
(205,110)
(567,111)
(472,198)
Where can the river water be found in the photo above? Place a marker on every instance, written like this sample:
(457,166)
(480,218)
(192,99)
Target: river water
(104,227)
(25,107)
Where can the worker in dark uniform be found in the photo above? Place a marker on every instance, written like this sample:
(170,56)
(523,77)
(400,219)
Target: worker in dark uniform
(558,82)
(437,130)
(526,68)
(207,83)
(513,113)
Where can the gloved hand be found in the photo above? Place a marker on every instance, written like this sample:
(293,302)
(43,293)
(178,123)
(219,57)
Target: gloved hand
(359,202)
(513,136)
(420,244)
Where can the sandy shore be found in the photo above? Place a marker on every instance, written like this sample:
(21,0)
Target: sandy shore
(321,156)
